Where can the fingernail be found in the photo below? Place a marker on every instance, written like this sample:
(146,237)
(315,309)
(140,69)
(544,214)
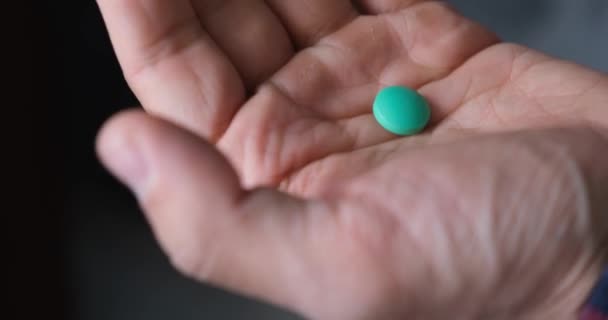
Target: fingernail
(123,157)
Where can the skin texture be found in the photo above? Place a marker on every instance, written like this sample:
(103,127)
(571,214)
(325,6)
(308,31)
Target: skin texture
(262,170)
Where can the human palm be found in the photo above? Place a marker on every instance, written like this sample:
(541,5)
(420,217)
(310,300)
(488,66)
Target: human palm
(447,224)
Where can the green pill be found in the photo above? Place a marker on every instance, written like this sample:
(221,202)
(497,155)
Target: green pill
(401,111)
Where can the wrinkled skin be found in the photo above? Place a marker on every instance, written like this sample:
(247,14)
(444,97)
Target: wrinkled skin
(262,170)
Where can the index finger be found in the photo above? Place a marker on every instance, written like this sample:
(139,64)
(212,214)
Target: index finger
(171,63)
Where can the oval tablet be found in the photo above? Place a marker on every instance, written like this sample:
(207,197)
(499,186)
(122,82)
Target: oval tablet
(401,111)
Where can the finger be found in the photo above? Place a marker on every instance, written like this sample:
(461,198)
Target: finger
(172,65)
(212,229)
(310,20)
(384,6)
(249,33)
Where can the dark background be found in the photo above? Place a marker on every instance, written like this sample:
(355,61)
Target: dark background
(114,269)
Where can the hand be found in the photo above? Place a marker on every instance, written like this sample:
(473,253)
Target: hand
(361,224)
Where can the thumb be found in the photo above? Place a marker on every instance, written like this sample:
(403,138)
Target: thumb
(212,229)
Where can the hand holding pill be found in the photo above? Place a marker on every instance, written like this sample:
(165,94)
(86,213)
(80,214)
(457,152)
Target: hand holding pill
(286,155)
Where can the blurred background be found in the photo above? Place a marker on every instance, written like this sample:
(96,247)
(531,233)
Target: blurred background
(115,269)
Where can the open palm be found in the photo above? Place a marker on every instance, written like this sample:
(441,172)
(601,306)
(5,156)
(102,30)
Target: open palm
(284,89)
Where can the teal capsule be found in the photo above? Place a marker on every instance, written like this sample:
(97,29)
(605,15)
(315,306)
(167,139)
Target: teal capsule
(401,111)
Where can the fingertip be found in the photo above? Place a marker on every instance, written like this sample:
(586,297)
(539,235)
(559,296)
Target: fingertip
(114,127)
(140,149)
(119,150)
